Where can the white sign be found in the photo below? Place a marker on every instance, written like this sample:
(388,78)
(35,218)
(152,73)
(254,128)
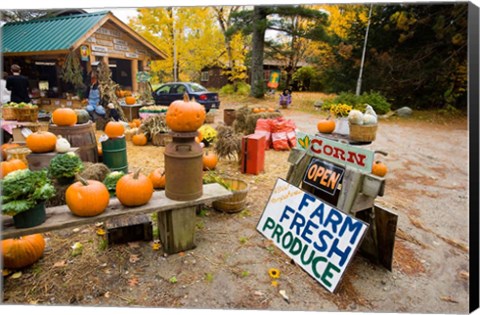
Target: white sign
(121,47)
(318,237)
(104,42)
(119,41)
(92,40)
(131,55)
(99,48)
(107,31)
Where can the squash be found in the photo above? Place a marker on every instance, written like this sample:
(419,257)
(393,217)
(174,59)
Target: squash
(7,146)
(41,141)
(82,116)
(379,169)
(210,160)
(139,139)
(137,122)
(326,126)
(64,117)
(114,129)
(185,115)
(157,176)
(23,251)
(134,189)
(87,198)
(62,145)
(130,100)
(11,166)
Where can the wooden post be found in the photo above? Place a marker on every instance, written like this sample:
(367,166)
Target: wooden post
(134,63)
(177,229)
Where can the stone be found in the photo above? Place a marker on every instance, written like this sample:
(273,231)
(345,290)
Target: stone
(404,111)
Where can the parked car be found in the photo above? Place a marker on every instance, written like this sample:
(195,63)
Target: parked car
(166,93)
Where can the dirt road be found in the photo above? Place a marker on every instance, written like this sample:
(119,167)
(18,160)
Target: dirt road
(427,185)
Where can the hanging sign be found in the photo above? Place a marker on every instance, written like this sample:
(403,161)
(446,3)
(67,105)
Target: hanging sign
(335,151)
(131,55)
(324,176)
(274,79)
(99,48)
(84,53)
(318,237)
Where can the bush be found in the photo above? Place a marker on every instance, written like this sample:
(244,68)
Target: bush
(375,99)
(242,88)
(227,89)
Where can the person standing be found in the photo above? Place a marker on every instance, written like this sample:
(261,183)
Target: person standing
(5,94)
(18,85)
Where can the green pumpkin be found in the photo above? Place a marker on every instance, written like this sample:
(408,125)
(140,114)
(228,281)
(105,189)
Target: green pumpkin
(82,116)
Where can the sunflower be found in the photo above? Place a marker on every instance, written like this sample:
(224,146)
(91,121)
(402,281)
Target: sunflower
(274,273)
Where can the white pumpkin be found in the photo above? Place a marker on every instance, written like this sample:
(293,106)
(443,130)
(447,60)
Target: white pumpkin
(369,119)
(355,117)
(369,110)
(62,145)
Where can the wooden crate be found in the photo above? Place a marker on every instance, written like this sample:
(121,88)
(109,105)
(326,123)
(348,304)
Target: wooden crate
(129,229)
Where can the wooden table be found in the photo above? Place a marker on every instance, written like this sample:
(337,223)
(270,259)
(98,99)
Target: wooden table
(131,111)
(176,219)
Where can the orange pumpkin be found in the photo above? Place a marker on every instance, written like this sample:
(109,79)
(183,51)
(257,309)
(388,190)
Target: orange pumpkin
(139,139)
(157,176)
(114,129)
(7,146)
(134,189)
(23,251)
(132,125)
(87,198)
(379,169)
(256,110)
(64,117)
(41,141)
(271,110)
(185,115)
(11,165)
(130,100)
(120,93)
(326,126)
(137,122)
(210,160)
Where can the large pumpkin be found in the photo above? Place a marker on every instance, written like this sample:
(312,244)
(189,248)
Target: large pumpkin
(23,251)
(326,126)
(82,116)
(11,165)
(7,146)
(87,198)
(64,117)
(379,169)
(41,141)
(185,115)
(210,160)
(139,139)
(114,129)
(134,189)
(157,176)
(130,100)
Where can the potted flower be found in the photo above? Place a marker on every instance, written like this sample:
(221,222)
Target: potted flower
(340,111)
(24,195)
(64,167)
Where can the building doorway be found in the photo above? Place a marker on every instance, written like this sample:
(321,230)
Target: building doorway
(121,72)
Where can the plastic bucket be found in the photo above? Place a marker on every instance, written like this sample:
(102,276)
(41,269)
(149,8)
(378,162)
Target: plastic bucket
(114,154)
(32,217)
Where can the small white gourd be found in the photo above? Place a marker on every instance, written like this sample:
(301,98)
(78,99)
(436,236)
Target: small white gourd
(355,117)
(369,119)
(62,145)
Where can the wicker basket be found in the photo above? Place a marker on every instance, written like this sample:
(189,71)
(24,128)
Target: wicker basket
(363,133)
(26,114)
(8,113)
(237,202)
(161,139)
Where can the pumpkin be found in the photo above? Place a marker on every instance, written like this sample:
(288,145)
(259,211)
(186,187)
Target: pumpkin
(271,110)
(157,176)
(41,141)
(114,129)
(137,122)
(379,169)
(100,151)
(7,146)
(256,110)
(64,117)
(134,189)
(132,125)
(11,165)
(139,139)
(185,115)
(62,145)
(87,198)
(82,116)
(120,93)
(210,160)
(326,126)
(23,251)
(130,100)
(127,93)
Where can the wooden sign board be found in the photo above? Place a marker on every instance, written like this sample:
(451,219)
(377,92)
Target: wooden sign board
(318,237)
(335,151)
(324,176)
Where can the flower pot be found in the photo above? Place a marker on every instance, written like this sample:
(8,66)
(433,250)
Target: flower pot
(341,126)
(32,217)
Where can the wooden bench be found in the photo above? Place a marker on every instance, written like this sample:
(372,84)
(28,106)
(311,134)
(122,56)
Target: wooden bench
(176,219)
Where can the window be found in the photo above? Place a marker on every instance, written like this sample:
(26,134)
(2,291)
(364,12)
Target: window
(204,76)
(163,90)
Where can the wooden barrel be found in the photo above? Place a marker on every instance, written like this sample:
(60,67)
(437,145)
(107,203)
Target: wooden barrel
(81,136)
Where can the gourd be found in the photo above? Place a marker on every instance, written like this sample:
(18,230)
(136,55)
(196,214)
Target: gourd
(355,117)
(369,119)
(185,115)
(130,100)
(11,166)
(210,160)
(7,146)
(41,141)
(23,251)
(82,116)
(379,169)
(137,122)
(326,126)
(139,139)
(87,198)
(157,176)
(134,189)
(64,117)
(114,129)
(62,145)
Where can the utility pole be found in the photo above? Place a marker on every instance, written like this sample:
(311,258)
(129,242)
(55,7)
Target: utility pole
(359,81)
(175,70)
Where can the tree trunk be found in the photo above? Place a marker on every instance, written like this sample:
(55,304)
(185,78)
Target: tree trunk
(258,43)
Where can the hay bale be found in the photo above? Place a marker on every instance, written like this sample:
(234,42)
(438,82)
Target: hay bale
(246,119)
(95,171)
(229,143)
(59,198)
(239,125)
